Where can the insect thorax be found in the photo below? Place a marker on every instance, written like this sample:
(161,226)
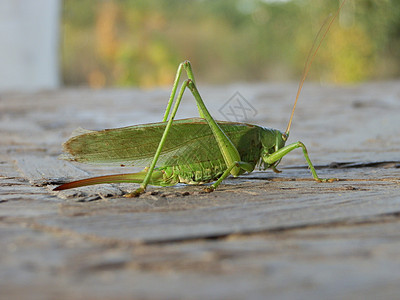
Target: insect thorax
(272,140)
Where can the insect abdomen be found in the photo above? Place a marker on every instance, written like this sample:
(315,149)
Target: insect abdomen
(198,173)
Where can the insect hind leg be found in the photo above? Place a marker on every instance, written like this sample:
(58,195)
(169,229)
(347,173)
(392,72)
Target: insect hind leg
(148,176)
(189,72)
(227,148)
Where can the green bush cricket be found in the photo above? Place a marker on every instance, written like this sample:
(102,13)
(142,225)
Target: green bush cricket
(192,151)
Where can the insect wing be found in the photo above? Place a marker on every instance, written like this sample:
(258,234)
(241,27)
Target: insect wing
(189,141)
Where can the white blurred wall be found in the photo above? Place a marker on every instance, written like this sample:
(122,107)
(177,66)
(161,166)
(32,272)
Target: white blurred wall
(29,39)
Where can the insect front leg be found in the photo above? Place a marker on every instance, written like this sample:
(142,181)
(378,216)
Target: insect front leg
(274,157)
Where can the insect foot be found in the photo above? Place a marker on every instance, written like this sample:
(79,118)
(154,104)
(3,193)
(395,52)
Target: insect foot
(327,179)
(135,193)
(332,179)
(209,189)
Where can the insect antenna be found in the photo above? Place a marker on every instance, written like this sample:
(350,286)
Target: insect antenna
(310,58)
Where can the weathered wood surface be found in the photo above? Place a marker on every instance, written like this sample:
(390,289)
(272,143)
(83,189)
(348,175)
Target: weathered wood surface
(263,235)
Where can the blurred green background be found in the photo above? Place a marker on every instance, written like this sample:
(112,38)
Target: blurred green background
(141,42)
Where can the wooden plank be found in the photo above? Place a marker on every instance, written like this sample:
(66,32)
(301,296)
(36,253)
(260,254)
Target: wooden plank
(281,235)
(261,211)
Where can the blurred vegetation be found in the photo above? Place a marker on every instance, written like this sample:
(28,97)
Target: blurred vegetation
(141,42)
